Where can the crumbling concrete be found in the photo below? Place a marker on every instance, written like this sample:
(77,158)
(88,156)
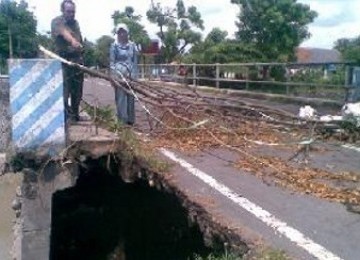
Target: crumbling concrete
(42,177)
(2,163)
(8,184)
(33,205)
(5,120)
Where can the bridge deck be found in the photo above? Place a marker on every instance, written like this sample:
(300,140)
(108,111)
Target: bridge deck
(305,226)
(90,139)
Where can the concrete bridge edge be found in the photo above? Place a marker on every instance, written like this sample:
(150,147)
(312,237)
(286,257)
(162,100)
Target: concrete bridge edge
(33,207)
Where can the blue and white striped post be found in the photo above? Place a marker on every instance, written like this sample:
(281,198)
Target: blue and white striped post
(37,106)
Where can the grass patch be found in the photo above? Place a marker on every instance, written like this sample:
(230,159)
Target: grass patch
(268,254)
(130,149)
(265,254)
(225,256)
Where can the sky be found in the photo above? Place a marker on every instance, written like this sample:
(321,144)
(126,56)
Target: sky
(336,18)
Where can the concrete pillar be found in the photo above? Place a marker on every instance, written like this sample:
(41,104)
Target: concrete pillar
(37,105)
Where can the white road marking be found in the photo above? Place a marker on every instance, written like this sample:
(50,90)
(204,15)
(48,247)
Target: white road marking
(266,217)
(351,147)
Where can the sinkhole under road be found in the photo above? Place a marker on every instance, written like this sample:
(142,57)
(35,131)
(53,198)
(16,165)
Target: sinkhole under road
(102,217)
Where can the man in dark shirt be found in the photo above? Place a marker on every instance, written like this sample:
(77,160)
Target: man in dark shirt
(66,33)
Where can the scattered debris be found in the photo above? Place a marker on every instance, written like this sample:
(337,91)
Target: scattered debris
(307,112)
(352,109)
(186,119)
(351,113)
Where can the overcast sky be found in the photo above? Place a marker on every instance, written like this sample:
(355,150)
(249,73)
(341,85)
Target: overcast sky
(337,18)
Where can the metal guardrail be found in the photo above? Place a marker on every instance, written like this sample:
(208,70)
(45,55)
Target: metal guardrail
(258,77)
(321,80)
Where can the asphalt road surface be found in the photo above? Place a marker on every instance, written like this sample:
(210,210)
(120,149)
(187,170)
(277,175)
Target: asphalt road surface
(304,226)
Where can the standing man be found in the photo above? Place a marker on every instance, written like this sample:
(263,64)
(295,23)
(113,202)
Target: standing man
(66,33)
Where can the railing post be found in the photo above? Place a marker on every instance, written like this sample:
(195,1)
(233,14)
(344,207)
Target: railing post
(143,71)
(194,74)
(247,78)
(161,72)
(287,73)
(217,75)
(348,83)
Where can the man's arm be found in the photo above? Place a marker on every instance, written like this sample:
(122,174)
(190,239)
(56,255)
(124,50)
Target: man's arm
(68,37)
(59,29)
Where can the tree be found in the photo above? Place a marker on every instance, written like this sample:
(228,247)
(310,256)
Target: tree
(228,51)
(45,40)
(17,29)
(177,28)
(137,32)
(102,51)
(89,53)
(216,35)
(275,27)
(217,49)
(349,48)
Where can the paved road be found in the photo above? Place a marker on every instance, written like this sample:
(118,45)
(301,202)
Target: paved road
(277,215)
(304,226)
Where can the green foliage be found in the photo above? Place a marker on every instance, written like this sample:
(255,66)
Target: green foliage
(343,44)
(131,148)
(217,49)
(278,73)
(225,256)
(353,54)
(222,51)
(17,30)
(271,254)
(100,115)
(316,76)
(46,41)
(349,48)
(102,51)
(137,32)
(216,35)
(351,128)
(177,28)
(276,28)
(89,53)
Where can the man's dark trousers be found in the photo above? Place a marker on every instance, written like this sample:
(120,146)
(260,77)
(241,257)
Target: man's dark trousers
(73,88)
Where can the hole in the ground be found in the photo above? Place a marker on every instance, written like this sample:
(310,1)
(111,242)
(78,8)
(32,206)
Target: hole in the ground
(105,218)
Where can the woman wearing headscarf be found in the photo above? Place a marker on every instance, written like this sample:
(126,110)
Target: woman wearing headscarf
(123,63)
